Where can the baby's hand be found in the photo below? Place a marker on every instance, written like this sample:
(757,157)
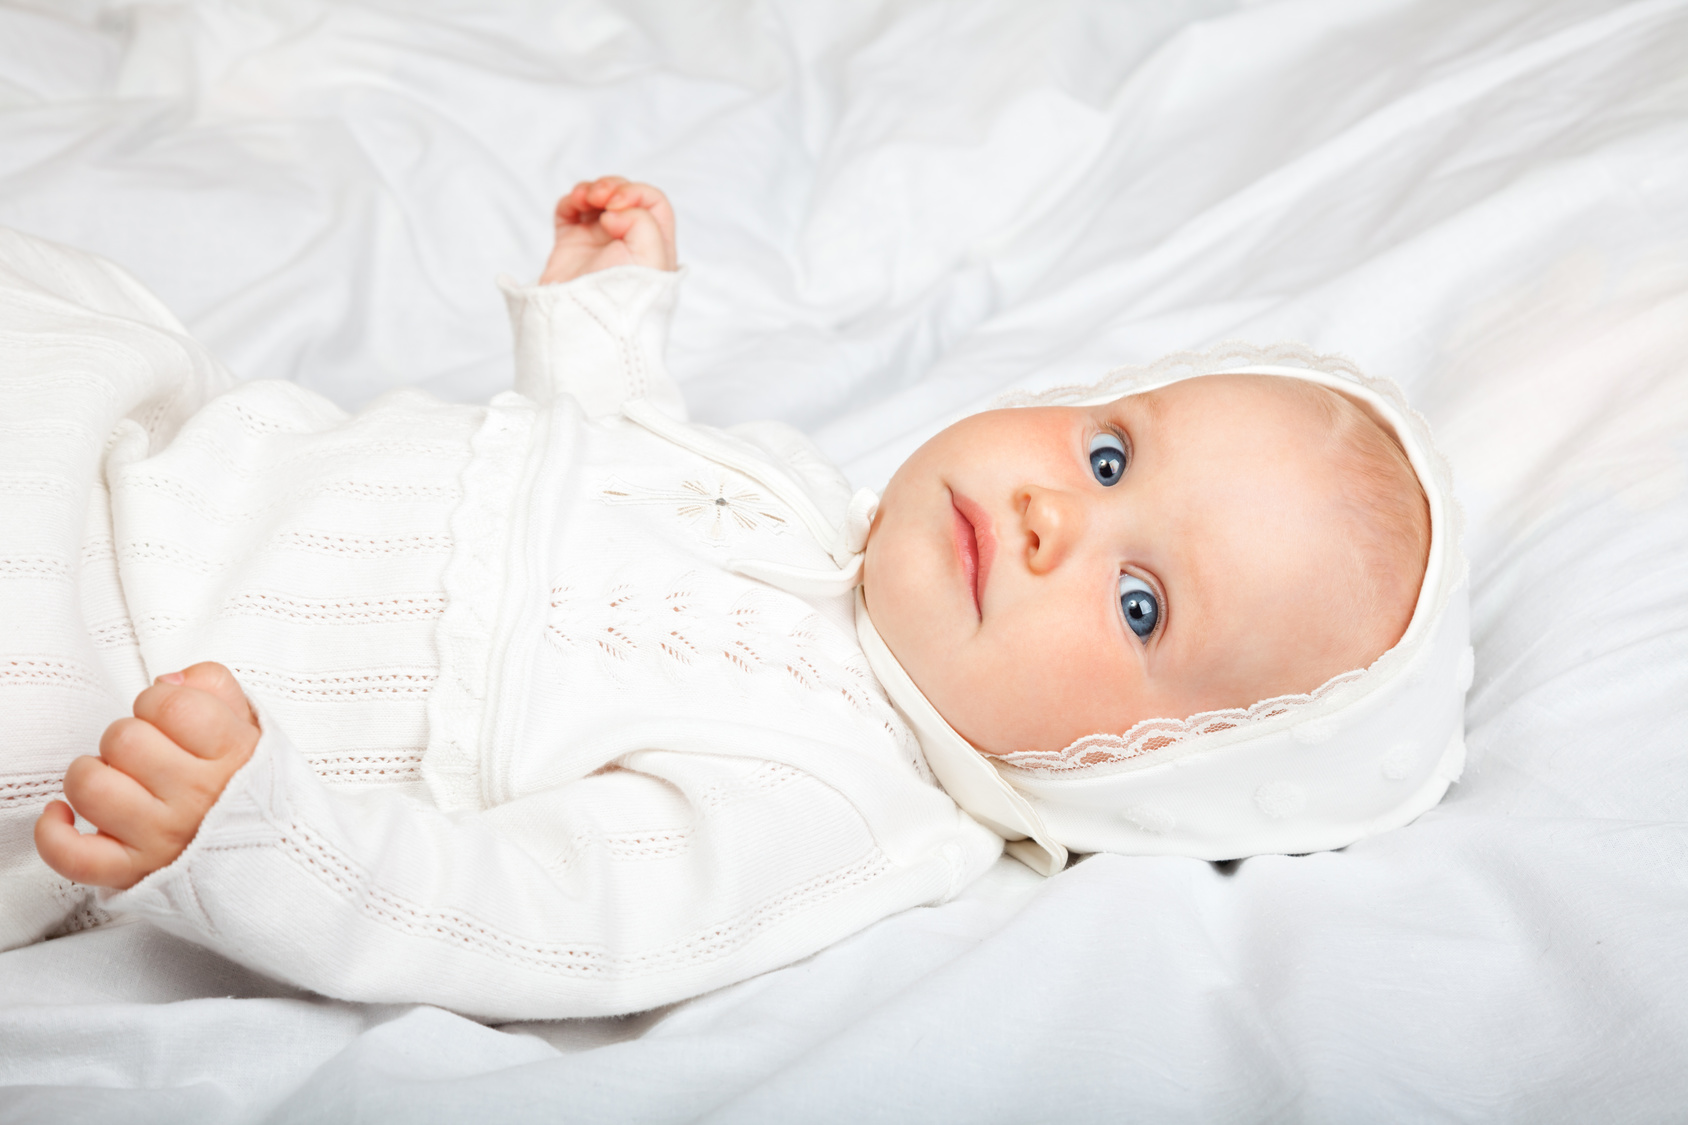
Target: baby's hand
(157,776)
(610,222)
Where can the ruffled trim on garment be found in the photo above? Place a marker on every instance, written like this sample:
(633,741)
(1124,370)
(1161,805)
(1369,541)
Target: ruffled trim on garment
(474,582)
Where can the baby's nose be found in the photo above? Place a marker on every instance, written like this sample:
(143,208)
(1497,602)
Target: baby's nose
(1054,520)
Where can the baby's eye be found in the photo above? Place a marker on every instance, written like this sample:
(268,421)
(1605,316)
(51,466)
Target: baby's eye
(1139,604)
(1107,458)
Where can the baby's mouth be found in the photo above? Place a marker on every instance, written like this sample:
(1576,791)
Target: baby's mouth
(973,548)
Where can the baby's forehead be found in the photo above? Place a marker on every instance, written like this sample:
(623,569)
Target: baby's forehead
(1245,472)
(1228,416)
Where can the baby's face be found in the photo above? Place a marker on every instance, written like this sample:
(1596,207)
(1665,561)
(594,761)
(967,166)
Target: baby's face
(1047,573)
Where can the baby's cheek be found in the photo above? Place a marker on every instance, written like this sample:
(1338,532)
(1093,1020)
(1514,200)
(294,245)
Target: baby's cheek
(1000,693)
(1046,689)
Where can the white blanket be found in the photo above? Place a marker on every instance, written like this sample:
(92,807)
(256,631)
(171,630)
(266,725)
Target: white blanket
(928,202)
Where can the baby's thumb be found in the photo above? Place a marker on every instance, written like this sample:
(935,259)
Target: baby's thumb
(214,679)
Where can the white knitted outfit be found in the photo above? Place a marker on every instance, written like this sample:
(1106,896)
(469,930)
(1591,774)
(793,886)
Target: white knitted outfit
(530,747)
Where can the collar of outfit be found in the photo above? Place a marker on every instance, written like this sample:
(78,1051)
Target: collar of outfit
(1369,750)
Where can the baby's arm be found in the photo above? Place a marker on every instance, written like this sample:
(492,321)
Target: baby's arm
(674,874)
(610,222)
(596,325)
(156,777)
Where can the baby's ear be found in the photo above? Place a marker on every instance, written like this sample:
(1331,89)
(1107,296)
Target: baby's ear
(214,679)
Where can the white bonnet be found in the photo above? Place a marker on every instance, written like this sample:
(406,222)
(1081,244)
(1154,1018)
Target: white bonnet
(1366,752)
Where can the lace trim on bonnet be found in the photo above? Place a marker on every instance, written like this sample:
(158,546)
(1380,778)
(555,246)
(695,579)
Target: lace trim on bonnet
(1166,738)
(1153,735)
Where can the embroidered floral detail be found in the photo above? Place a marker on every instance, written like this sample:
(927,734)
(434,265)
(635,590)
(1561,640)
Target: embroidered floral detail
(715,508)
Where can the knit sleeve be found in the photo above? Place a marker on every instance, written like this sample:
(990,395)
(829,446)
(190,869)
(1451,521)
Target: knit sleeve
(87,357)
(599,338)
(664,877)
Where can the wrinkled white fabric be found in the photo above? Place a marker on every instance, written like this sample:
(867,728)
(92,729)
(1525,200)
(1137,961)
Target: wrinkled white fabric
(891,213)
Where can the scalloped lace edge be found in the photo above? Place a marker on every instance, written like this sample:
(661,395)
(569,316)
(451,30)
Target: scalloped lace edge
(1154,735)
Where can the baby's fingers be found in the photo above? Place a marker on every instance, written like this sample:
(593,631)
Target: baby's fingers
(645,241)
(214,679)
(573,208)
(173,775)
(582,204)
(600,190)
(650,199)
(118,805)
(195,720)
(97,860)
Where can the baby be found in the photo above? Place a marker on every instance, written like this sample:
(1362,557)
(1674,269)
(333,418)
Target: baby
(565,706)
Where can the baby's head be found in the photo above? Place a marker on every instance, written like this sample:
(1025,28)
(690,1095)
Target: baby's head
(1045,573)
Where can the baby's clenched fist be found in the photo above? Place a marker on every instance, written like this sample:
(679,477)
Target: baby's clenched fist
(610,222)
(156,777)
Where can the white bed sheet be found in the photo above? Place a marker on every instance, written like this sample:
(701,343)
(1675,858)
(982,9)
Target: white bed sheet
(891,212)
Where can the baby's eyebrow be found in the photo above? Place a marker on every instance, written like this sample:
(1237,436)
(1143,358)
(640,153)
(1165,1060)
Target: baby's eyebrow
(1150,407)
(1145,413)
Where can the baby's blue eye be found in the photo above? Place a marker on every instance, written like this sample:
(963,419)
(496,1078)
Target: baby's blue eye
(1139,604)
(1107,458)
